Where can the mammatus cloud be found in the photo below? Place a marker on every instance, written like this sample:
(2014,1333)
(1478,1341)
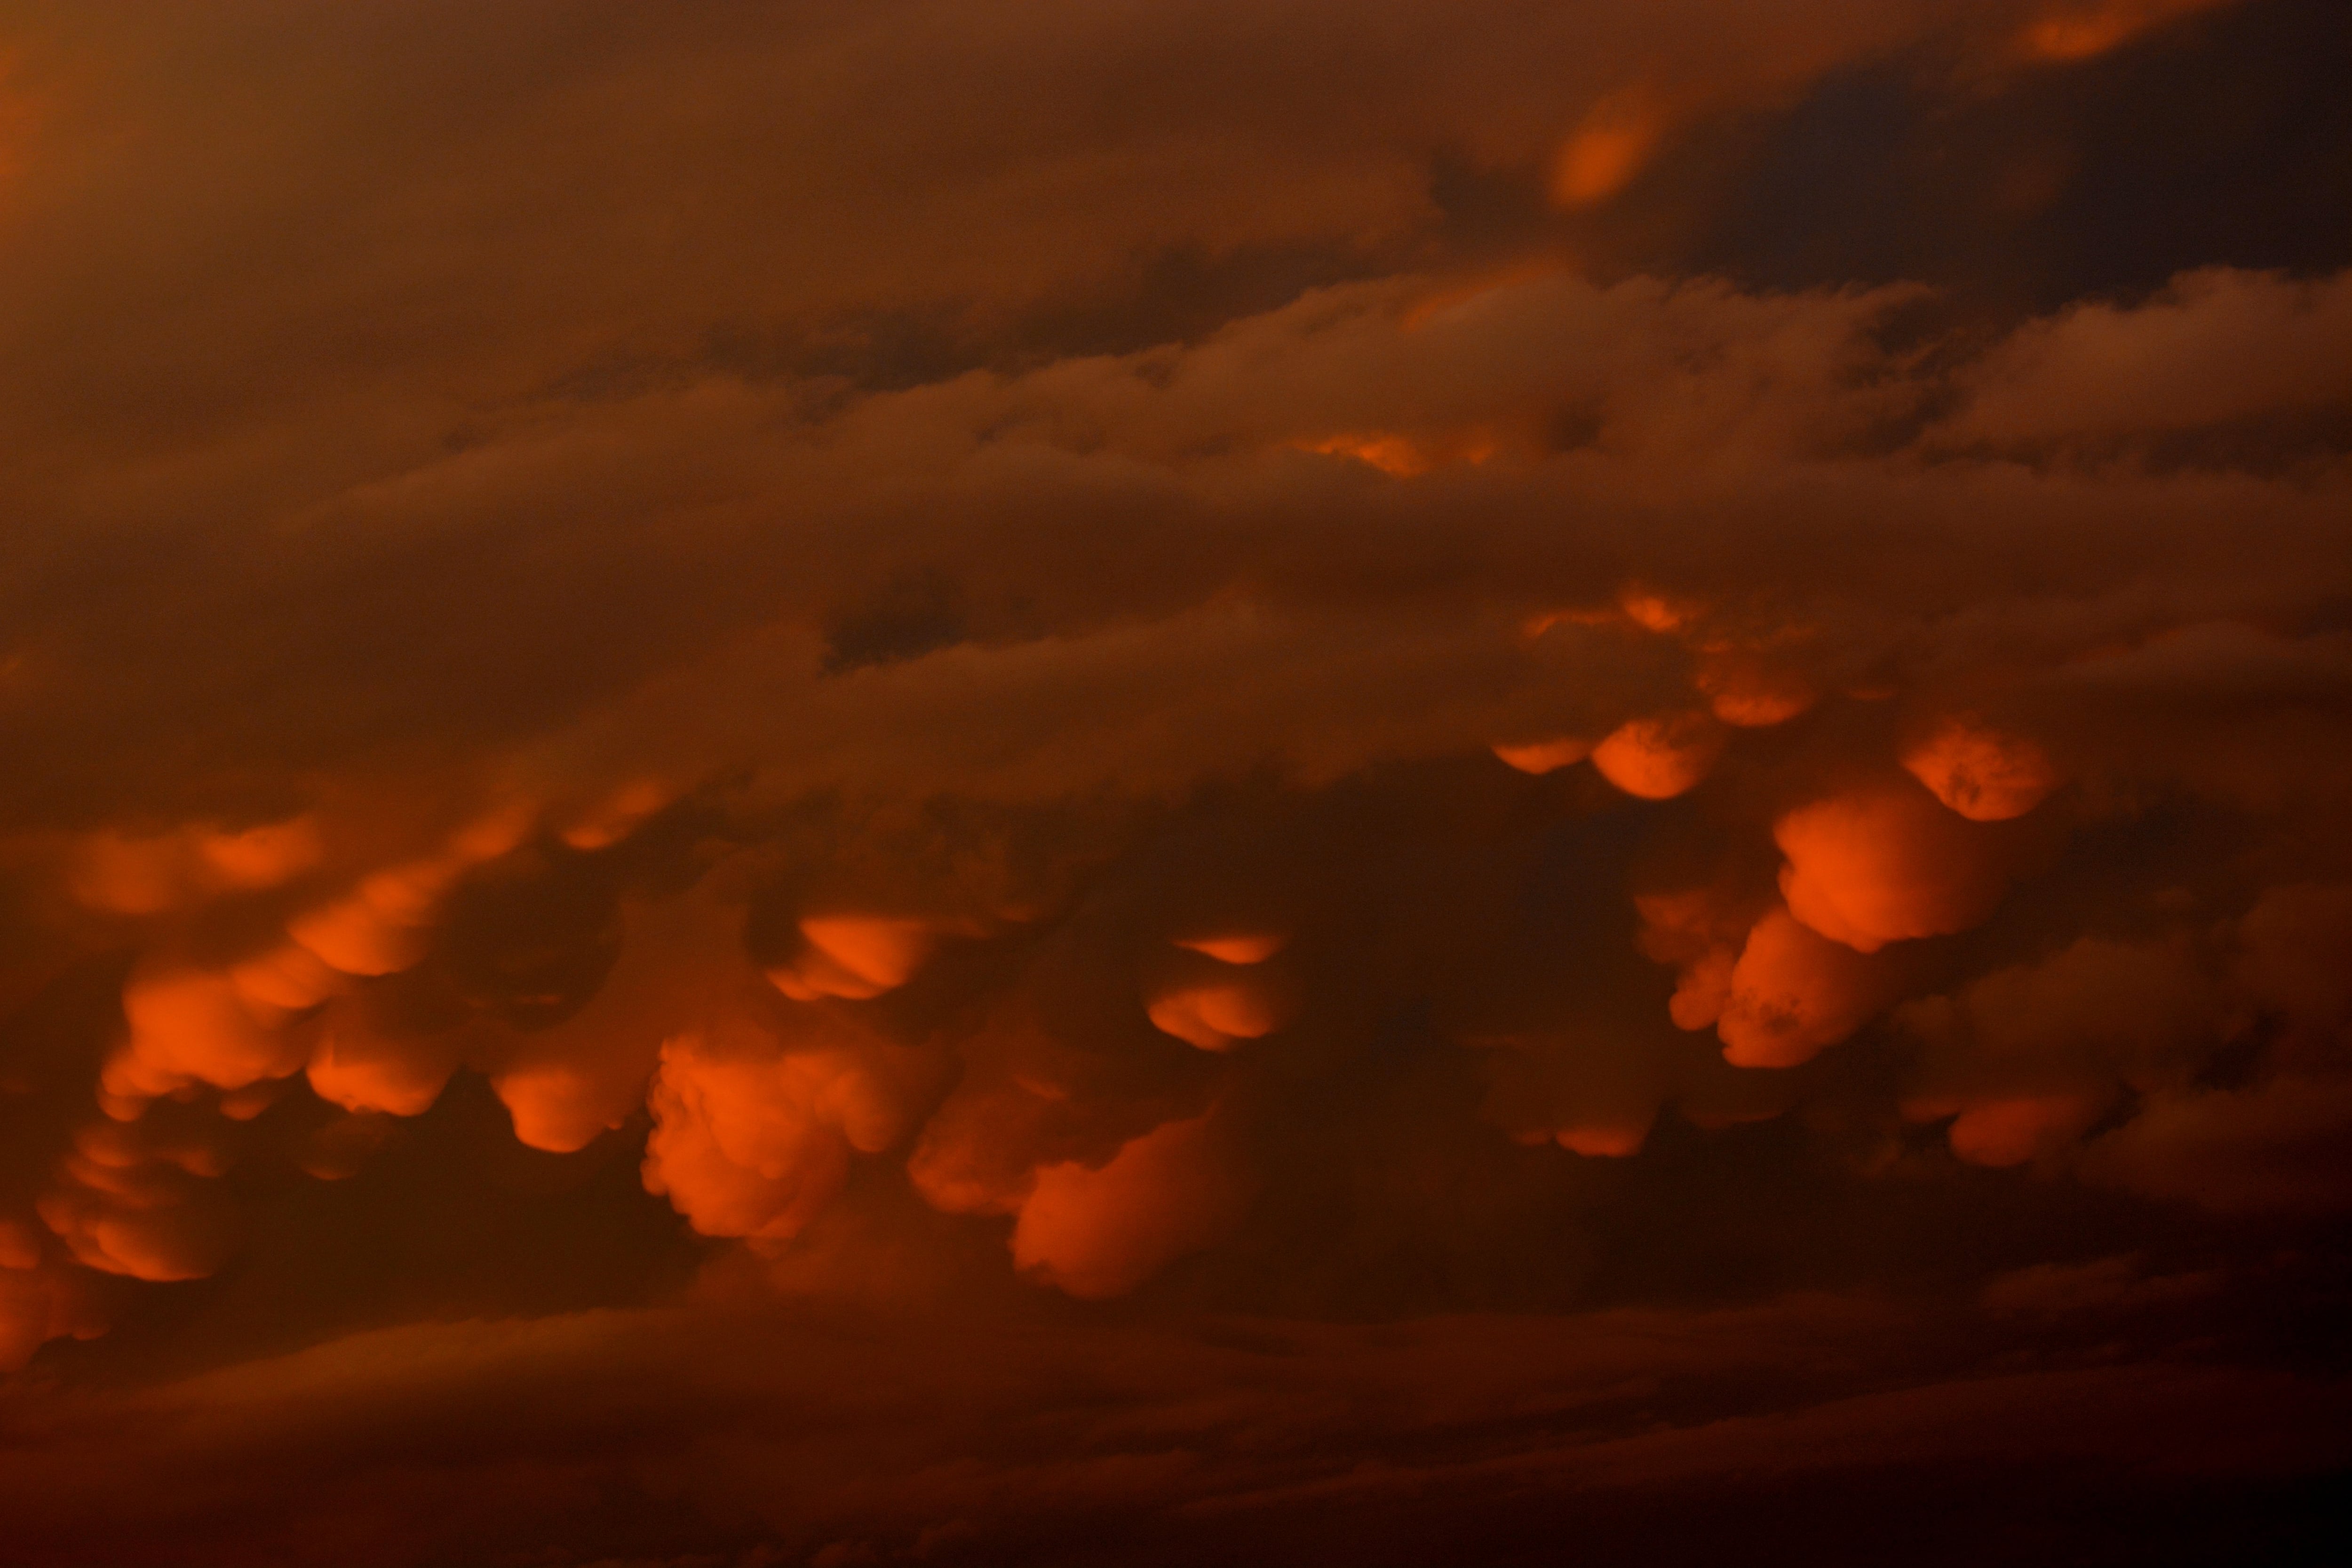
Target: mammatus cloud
(1853,827)
(1133,751)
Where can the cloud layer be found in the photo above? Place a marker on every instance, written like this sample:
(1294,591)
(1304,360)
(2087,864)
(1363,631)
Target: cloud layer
(1120,689)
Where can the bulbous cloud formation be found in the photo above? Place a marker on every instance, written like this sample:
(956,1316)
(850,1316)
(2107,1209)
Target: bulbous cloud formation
(1089,665)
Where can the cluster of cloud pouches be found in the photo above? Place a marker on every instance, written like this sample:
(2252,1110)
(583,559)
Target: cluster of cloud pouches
(1210,657)
(1888,696)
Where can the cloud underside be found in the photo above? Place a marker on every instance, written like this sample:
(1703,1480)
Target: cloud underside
(864,712)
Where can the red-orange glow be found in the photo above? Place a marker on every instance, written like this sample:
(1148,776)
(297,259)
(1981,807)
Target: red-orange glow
(556,1106)
(1545,756)
(194,1027)
(1535,626)
(1614,142)
(1882,865)
(682,970)
(1658,758)
(1237,947)
(287,978)
(1097,1232)
(1701,936)
(384,925)
(1980,772)
(1406,457)
(1752,696)
(262,856)
(617,816)
(2079,31)
(37,1303)
(1792,993)
(358,936)
(402,1079)
(1216,1016)
(1703,988)
(1654,612)
(1604,1141)
(144,876)
(757,1147)
(124,1205)
(2001,1132)
(752,812)
(853,957)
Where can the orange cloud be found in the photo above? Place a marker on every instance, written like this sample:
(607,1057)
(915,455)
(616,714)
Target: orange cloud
(618,815)
(682,970)
(1884,864)
(1545,756)
(38,1303)
(362,1073)
(383,924)
(1403,457)
(1611,146)
(757,1145)
(1604,1140)
(2000,1132)
(1657,759)
(1751,695)
(2079,31)
(1792,993)
(854,956)
(287,978)
(190,1026)
(1237,947)
(1701,933)
(143,876)
(1983,774)
(1100,1232)
(125,1204)
(1217,1015)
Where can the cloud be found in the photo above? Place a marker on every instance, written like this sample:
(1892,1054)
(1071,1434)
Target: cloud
(634,1406)
(1879,865)
(1150,758)
(1102,1232)
(1453,623)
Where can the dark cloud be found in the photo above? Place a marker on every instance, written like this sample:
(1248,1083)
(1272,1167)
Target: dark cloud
(1173,783)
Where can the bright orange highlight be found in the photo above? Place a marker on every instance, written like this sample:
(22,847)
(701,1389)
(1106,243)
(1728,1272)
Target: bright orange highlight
(617,816)
(1101,1232)
(1657,759)
(1603,1140)
(1545,756)
(1614,144)
(362,1075)
(190,1026)
(1884,865)
(1216,1017)
(1406,457)
(757,1147)
(853,957)
(1980,772)
(1792,993)
(1653,612)
(1240,947)
(1751,696)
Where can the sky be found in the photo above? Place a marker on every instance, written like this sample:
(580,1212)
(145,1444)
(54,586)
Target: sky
(1151,781)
